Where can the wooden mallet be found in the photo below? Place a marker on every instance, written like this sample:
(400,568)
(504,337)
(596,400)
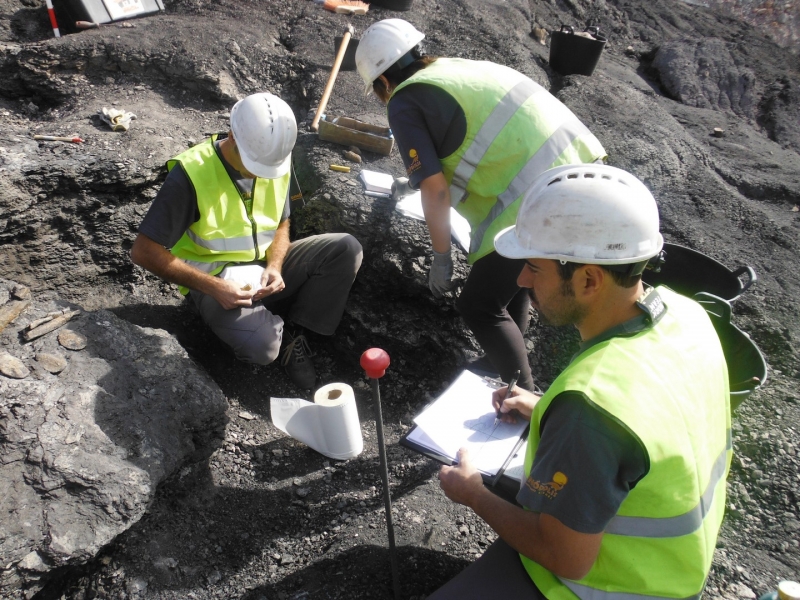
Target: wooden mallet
(332,78)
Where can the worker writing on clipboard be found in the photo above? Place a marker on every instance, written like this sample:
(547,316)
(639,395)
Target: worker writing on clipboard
(473,135)
(629,448)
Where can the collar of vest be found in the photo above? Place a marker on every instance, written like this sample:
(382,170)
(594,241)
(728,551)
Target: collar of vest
(653,308)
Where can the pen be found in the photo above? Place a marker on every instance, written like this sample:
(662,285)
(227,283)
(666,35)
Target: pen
(509,389)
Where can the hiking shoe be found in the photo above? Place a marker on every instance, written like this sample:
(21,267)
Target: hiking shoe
(296,360)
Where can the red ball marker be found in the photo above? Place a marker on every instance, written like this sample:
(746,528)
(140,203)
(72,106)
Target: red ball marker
(374,361)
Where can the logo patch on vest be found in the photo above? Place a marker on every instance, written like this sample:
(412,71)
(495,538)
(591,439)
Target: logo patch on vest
(415,165)
(550,489)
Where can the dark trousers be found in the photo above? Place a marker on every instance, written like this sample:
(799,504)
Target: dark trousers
(497,574)
(496,309)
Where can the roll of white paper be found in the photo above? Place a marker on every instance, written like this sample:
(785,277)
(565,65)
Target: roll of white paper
(329,425)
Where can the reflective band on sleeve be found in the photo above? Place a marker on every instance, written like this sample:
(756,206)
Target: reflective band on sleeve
(556,144)
(684,524)
(587,593)
(491,128)
(236,244)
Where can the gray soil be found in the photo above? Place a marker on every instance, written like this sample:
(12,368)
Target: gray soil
(265,516)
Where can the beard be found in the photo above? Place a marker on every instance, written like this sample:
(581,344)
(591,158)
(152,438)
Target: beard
(559,308)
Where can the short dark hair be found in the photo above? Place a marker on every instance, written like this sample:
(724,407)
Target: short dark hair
(397,76)
(567,270)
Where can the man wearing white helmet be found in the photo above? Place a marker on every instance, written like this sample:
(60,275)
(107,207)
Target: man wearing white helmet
(629,448)
(473,135)
(225,205)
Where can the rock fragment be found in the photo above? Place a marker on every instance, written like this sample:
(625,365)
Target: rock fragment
(72,340)
(52,363)
(11,366)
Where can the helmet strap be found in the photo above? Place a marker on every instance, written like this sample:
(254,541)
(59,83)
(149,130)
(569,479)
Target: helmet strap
(629,270)
(402,62)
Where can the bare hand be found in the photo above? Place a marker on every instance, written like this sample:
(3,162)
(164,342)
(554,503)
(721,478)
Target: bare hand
(521,401)
(230,294)
(271,283)
(463,481)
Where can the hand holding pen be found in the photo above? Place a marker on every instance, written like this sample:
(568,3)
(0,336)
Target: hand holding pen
(509,390)
(519,403)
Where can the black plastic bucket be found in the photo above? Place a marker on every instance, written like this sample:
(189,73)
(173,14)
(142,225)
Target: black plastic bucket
(688,272)
(349,60)
(400,5)
(572,54)
(747,369)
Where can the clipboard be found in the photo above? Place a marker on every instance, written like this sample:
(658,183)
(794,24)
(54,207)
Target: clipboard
(462,416)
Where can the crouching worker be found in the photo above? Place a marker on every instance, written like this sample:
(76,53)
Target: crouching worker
(225,204)
(473,135)
(630,447)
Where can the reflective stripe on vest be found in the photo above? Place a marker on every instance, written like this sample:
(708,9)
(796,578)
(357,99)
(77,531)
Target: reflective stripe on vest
(682,524)
(232,244)
(491,128)
(207,267)
(545,156)
(586,593)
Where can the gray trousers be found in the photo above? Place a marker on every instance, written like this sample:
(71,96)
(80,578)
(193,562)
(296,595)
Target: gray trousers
(318,272)
(498,573)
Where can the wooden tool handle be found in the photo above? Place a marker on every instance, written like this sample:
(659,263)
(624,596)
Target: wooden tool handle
(332,78)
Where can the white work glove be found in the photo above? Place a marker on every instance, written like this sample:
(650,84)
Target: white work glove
(440,278)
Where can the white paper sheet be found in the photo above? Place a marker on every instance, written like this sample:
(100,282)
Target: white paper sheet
(463,417)
(329,425)
(244,275)
(411,206)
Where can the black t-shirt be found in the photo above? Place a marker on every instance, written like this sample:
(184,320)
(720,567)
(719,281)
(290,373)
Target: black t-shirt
(174,208)
(428,124)
(586,463)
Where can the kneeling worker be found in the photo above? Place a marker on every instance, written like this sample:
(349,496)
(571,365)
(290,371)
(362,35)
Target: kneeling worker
(226,203)
(630,447)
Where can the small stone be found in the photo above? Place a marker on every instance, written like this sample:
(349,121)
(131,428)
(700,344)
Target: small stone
(796,208)
(71,340)
(246,416)
(277,452)
(355,150)
(11,366)
(719,132)
(302,492)
(52,363)
(32,562)
(20,292)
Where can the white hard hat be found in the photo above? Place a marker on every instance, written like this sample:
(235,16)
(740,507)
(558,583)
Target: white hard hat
(593,214)
(382,44)
(265,131)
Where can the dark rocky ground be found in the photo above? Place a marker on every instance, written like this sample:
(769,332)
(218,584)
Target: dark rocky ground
(266,517)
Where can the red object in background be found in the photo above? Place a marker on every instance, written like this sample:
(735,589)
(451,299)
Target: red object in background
(53,21)
(374,361)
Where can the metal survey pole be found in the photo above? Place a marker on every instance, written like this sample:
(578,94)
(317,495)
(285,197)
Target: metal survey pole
(374,361)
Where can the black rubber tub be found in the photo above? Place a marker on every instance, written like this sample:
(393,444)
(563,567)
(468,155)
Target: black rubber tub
(747,369)
(689,272)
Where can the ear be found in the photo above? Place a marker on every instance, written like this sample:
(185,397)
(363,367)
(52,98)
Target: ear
(589,280)
(386,86)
